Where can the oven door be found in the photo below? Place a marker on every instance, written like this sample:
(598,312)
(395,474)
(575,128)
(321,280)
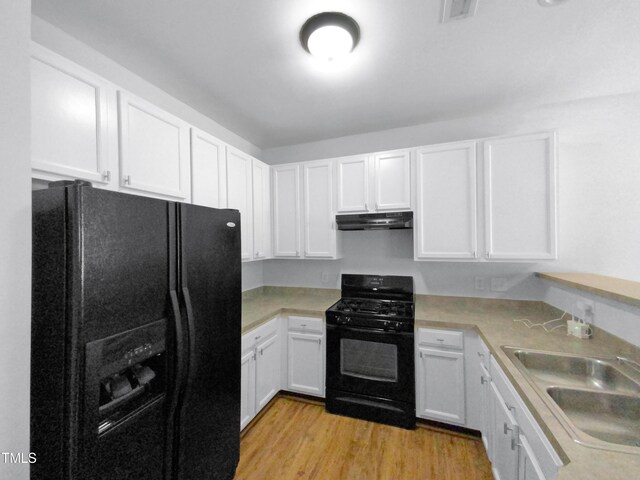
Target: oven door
(371,362)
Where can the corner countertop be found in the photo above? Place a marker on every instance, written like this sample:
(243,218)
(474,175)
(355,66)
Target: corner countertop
(494,322)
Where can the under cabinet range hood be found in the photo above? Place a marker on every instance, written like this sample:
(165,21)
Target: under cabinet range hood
(375,221)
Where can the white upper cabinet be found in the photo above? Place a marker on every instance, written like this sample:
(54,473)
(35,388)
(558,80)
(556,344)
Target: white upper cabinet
(392,185)
(446,215)
(319,225)
(208,170)
(261,210)
(286,210)
(154,150)
(520,197)
(377,183)
(70,121)
(239,195)
(353,184)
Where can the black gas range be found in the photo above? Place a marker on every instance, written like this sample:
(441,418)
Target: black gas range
(370,350)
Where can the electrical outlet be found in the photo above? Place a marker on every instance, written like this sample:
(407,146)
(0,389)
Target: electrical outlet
(479,282)
(585,309)
(324,277)
(499,284)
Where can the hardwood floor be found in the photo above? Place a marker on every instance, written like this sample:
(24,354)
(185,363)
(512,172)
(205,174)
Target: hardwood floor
(299,440)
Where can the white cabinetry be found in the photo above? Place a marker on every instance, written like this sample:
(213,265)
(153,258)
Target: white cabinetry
(446,213)
(260,369)
(320,236)
(239,195)
(392,186)
(381,182)
(154,150)
(286,210)
(517,219)
(73,121)
(305,364)
(261,210)
(505,429)
(440,376)
(520,197)
(352,178)
(208,170)
(520,448)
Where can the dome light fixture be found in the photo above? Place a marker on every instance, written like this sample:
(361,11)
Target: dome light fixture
(330,36)
(550,3)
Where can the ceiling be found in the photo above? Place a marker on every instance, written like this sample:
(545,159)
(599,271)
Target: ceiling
(240,62)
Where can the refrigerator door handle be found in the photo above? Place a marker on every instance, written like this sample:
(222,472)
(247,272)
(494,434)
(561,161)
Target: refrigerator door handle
(181,361)
(192,330)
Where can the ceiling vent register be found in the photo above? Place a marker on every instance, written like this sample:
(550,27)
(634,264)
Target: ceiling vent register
(458,9)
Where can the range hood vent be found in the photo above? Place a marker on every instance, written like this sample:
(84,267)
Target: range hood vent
(375,221)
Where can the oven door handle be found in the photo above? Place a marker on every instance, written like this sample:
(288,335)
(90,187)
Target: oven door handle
(368,330)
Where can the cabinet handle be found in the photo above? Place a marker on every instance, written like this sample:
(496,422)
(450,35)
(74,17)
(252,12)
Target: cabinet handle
(482,379)
(515,435)
(319,341)
(106,175)
(420,354)
(480,354)
(440,339)
(510,407)
(303,324)
(488,254)
(127,180)
(258,337)
(261,352)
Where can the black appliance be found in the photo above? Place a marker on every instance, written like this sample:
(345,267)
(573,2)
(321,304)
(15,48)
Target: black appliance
(136,328)
(370,350)
(375,221)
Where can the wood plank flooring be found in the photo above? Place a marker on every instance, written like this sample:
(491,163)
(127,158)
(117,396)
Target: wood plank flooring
(299,440)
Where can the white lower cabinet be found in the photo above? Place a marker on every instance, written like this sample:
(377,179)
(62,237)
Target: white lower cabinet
(305,356)
(260,369)
(440,376)
(520,449)
(506,435)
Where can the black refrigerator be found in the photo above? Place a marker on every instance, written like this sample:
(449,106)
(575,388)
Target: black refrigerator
(136,329)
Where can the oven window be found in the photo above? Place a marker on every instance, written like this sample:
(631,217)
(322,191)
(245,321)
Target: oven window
(370,360)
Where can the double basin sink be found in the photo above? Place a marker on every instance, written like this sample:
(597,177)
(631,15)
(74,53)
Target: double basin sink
(596,399)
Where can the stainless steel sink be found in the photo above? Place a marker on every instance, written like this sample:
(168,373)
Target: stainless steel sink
(582,372)
(612,418)
(596,399)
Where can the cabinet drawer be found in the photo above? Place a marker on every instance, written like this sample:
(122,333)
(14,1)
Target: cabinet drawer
(440,338)
(305,324)
(259,334)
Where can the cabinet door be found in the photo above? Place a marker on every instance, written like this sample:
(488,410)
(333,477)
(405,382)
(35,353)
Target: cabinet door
(286,210)
(239,195)
(319,231)
(305,372)
(69,120)
(441,392)
(446,214)
(261,210)
(528,465)
(392,180)
(267,370)
(505,435)
(208,170)
(247,388)
(520,197)
(154,150)
(353,184)
(486,411)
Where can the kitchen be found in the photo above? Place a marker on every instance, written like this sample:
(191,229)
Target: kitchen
(568,71)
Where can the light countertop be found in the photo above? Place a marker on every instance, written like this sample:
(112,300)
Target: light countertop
(493,320)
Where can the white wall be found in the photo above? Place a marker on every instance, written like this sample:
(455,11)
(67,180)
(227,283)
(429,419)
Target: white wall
(15,235)
(252,275)
(62,43)
(599,196)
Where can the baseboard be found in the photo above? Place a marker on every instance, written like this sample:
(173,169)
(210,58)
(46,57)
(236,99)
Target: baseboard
(449,429)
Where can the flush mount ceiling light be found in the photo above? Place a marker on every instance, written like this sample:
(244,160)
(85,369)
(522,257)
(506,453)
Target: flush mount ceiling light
(550,3)
(330,36)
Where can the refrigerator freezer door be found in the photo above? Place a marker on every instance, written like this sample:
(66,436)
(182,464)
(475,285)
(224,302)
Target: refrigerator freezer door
(210,283)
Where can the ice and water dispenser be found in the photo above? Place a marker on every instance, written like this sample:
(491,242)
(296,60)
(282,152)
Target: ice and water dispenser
(124,402)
